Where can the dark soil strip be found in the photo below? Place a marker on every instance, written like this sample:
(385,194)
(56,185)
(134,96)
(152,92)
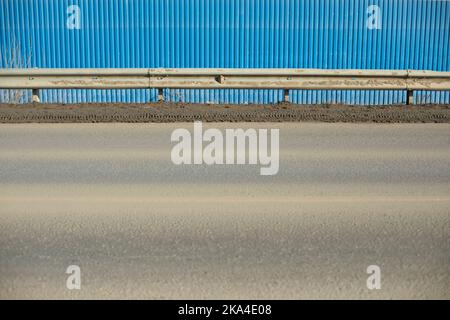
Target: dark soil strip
(157,112)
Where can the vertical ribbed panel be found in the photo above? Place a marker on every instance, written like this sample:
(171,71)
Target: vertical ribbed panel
(331,34)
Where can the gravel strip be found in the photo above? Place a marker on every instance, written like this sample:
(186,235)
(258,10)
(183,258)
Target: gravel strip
(163,112)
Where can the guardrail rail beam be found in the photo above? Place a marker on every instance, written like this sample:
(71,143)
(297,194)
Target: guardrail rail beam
(284,79)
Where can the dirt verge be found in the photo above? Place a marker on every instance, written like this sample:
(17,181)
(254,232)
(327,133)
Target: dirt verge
(164,112)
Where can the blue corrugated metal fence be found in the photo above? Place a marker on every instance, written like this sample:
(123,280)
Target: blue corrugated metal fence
(329,34)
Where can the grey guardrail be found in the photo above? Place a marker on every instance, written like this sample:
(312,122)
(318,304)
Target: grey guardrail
(286,79)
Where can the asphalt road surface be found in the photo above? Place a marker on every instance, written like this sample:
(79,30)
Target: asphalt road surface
(108,198)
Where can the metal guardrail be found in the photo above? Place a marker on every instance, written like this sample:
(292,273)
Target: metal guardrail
(286,79)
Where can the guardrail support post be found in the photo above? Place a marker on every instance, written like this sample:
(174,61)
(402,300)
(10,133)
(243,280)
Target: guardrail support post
(410,97)
(286,95)
(160,95)
(35,95)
